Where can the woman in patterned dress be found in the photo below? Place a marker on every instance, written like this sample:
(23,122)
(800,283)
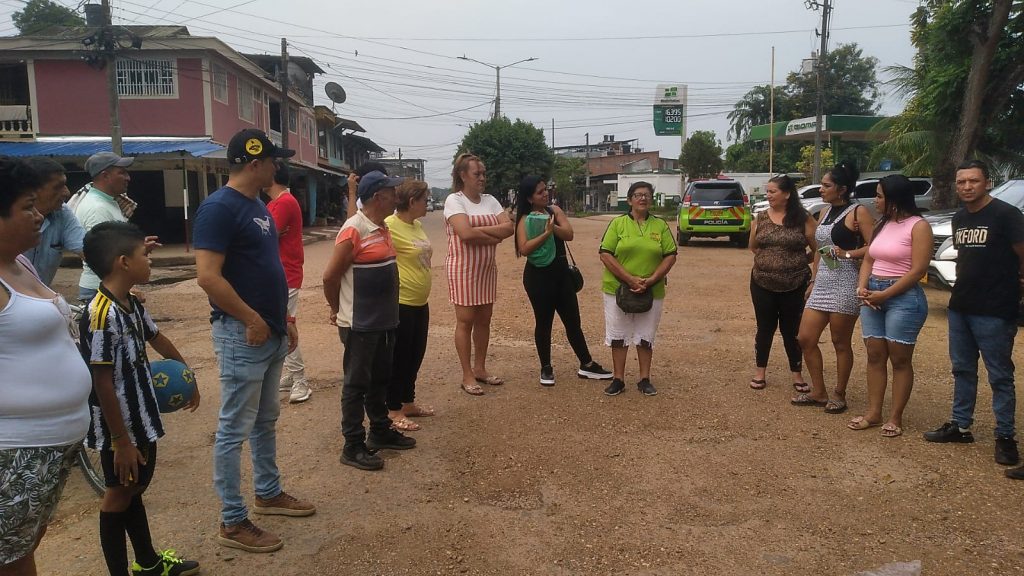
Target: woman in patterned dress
(475,223)
(843,233)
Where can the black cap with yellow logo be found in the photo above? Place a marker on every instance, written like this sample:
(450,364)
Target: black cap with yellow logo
(251,144)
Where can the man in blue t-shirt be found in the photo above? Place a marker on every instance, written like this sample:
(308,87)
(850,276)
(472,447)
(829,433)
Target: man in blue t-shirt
(238,266)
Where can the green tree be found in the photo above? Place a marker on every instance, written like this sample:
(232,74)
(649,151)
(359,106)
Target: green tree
(510,150)
(806,163)
(37,15)
(965,89)
(702,155)
(851,85)
(755,109)
(570,177)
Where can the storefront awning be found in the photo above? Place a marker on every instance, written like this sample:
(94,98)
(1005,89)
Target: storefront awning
(85,148)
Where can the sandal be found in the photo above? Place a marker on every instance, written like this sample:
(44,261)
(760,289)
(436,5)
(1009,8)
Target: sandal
(758,384)
(891,431)
(861,423)
(417,411)
(835,406)
(472,389)
(490,380)
(802,387)
(806,400)
(403,424)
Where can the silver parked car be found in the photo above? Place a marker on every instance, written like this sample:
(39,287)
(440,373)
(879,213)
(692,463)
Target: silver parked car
(864,193)
(806,193)
(942,268)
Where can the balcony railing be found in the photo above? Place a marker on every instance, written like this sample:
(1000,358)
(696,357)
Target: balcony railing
(15,121)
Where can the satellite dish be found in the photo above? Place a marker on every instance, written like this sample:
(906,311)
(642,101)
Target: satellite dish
(335,92)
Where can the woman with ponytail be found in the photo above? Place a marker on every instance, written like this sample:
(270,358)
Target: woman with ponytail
(844,229)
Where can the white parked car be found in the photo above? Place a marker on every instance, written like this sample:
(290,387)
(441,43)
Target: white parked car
(806,193)
(942,268)
(864,194)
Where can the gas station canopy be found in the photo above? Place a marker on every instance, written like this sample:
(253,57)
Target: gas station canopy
(839,127)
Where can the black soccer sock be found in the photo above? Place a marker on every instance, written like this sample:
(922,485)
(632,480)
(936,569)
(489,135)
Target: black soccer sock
(115,549)
(137,526)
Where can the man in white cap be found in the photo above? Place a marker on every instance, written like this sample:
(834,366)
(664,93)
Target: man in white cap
(109,180)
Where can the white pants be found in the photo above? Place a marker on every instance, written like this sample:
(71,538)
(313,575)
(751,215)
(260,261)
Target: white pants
(294,368)
(631,329)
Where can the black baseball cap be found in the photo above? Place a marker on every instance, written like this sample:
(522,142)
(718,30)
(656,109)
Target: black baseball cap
(251,144)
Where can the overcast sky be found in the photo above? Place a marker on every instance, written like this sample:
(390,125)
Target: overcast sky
(597,68)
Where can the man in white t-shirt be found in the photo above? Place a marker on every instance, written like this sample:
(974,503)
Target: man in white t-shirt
(110,179)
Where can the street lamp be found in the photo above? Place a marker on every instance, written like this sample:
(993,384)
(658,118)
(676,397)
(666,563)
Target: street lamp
(497,79)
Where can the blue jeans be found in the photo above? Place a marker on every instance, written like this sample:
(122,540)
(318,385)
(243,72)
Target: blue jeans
(249,409)
(993,338)
(86,294)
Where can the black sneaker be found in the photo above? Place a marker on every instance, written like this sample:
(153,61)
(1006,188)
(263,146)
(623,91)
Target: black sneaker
(615,388)
(1015,473)
(1006,452)
(593,371)
(547,376)
(168,565)
(646,388)
(362,458)
(949,432)
(390,440)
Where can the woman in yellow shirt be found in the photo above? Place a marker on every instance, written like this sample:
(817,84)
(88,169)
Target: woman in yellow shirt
(414,251)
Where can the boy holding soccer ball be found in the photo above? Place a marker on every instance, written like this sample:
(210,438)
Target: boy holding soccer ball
(125,416)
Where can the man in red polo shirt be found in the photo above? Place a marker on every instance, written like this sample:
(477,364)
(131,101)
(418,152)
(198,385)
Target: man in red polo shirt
(288,218)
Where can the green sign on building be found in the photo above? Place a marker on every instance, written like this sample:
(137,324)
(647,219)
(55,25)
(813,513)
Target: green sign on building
(669,110)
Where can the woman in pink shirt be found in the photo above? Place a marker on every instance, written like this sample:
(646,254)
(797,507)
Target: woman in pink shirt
(894,307)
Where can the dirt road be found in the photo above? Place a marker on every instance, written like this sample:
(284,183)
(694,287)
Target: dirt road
(708,477)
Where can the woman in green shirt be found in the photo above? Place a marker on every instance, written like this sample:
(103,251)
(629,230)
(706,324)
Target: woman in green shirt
(637,252)
(541,234)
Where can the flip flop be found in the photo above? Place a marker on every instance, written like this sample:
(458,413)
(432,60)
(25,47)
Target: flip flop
(802,387)
(403,424)
(861,423)
(472,389)
(835,406)
(806,400)
(418,412)
(891,431)
(758,384)
(490,380)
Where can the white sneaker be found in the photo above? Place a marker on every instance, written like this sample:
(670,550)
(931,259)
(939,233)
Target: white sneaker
(300,393)
(286,383)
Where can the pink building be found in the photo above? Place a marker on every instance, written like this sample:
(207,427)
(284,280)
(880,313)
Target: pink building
(181,98)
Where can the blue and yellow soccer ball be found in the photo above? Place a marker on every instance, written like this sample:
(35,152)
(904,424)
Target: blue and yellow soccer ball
(174,384)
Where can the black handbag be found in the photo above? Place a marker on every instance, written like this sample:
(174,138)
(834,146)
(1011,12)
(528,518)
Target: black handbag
(574,271)
(633,302)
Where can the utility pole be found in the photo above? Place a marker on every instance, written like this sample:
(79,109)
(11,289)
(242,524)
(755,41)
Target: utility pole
(108,46)
(497,80)
(587,187)
(283,79)
(552,133)
(826,14)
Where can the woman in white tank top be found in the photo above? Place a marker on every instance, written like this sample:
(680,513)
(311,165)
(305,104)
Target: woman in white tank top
(45,384)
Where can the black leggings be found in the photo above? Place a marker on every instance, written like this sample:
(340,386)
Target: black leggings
(410,347)
(551,290)
(777,310)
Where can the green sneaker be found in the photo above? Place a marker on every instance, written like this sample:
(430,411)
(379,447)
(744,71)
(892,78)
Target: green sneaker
(169,565)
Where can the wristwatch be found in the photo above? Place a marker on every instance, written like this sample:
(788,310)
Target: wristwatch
(847,255)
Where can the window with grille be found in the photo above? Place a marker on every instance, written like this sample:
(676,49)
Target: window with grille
(245,100)
(146,78)
(220,84)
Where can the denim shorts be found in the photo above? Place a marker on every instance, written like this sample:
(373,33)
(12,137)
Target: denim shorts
(900,318)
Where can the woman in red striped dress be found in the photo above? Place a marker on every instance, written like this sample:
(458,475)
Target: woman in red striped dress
(476,223)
